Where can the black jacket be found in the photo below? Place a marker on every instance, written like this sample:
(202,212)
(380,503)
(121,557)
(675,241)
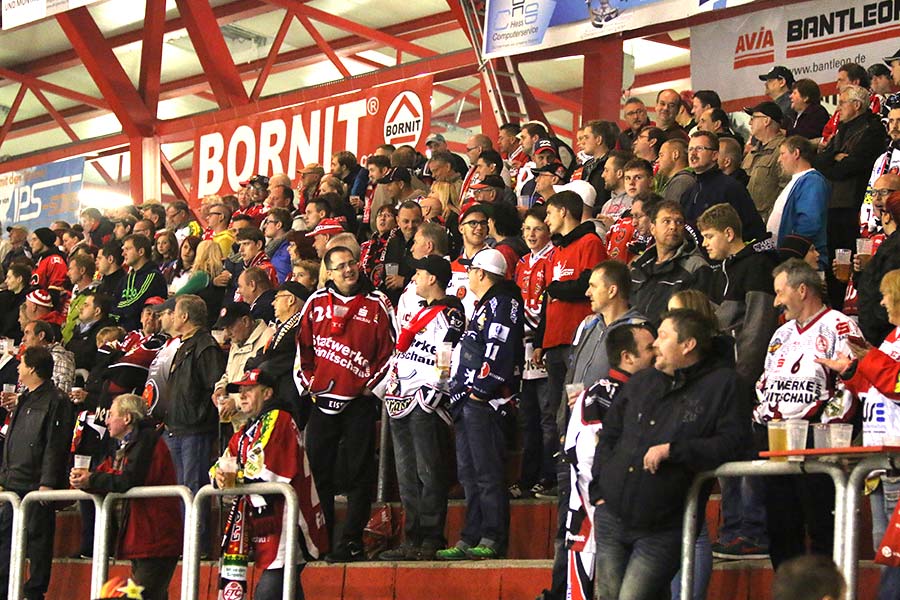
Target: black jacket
(703,412)
(810,122)
(863,140)
(592,172)
(84,343)
(277,358)
(262,307)
(653,284)
(873,318)
(112,283)
(715,187)
(743,290)
(9,316)
(197,366)
(36,452)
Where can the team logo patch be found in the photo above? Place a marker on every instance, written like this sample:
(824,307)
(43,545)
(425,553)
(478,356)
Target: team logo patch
(485,370)
(821,344)
(774,346)
(223,312)
(461,292)
(233,591)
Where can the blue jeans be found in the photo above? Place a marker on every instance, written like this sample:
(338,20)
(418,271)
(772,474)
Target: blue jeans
(191,454)
(480,450)
(270,585)
(743,510)
(884,501)
(420,475)
(634,564)
(703,565)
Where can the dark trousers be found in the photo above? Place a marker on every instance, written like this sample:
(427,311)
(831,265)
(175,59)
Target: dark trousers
(480,450)
(634,564)
(797,506)
(39,530)
(842,231)
(743,510)
(556,361)
(417,441)
(534,459)
(271,585)
(154,574)
(86,508)
(354,427)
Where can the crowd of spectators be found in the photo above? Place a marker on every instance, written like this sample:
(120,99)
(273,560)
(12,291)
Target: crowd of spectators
(632,311)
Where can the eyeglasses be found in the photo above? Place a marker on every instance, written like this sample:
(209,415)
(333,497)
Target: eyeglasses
(696,149)
(473,148)
(218,214)
(473,224)
(884,193)
(636,112)
(347,265)
(285,295)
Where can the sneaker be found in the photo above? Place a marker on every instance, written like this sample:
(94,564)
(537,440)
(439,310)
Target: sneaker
(401,552)
(517,493)
(427,551)
(545,490)
(740,549)
(452,553)
(346,552)
(481,552)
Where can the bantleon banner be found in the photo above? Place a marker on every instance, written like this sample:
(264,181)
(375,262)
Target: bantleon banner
(284,140)
(812,39)
(37,196)
(20,12)
(518,26)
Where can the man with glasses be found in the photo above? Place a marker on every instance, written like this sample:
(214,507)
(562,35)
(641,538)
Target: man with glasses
(218,219)
(178,220)
(473,225)
(668,103)
(847,162)
(545,179)
(767,178)
(714,187)
(276,226)
(886,163)
(873,319)
(648,142)
(347,333)
(636,118)
(146,228)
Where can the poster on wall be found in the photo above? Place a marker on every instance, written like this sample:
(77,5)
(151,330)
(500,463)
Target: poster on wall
(283,140)
(37,196)
(20,12)
(812,39)
(518,26)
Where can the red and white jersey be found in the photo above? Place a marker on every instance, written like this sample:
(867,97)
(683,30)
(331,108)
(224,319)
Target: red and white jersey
(50,272)
(459,285)
(531,277)
(881,414)
(466,193)
(793,385)
(889,162)
(408,304)
(524,176)
(618,237)
(343,346)
(516,159)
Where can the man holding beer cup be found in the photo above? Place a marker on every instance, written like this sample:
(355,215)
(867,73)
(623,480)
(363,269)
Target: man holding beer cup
(873,319)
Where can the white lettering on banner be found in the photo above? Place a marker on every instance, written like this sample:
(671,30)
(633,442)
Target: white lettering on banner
(271,141)
(403,123)
(812,39)
(307,147)
(351,114)
(242,135)
(212,172)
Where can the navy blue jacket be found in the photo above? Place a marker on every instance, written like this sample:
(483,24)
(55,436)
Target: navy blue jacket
(715,187)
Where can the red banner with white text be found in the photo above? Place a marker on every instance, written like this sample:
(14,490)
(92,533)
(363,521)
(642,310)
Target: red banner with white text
(283,140)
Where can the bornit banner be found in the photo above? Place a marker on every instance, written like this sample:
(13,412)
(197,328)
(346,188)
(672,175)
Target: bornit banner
(282,141)
(518,26)
(812,39)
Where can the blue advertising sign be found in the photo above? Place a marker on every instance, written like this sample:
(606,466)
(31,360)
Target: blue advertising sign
(37,196)
(518,26)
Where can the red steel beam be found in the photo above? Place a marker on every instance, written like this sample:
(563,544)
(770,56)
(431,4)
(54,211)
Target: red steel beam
(151,53)
(322,44)
(272,56)
(54,114)
(171,177)
(106,71)
(68,151)
(459,63)
(456,98)
(52,88)
(213,53)
(13,109)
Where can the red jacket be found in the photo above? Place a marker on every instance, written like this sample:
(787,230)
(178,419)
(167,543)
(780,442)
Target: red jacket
(152,527)
(340,356)
(262,261)
(51,271)
(620,235)
(565,305)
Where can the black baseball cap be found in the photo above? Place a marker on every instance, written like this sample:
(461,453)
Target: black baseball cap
(294,288)
(769,108)
(890,59)
(230,313)
(436,265)
(169,304)
(779,72)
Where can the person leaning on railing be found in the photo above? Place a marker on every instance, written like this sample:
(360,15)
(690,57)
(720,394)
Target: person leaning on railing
(150,532)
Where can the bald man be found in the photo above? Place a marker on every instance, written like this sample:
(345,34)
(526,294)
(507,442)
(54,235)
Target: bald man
(475,145)
(730,157)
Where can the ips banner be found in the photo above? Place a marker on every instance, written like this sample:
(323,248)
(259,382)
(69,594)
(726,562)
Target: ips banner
(518,26)
(284,140)
(37,196)
(812,39)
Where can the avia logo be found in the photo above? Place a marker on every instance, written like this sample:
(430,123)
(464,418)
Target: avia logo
(755,48)
(404,121)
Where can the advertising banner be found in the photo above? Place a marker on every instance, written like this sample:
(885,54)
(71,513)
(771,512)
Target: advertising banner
(284,140)
(37,196)
(812,39)
(518,26)
(20,12)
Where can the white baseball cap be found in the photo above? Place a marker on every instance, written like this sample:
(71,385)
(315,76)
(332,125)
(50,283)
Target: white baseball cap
(489,260)
(582,188)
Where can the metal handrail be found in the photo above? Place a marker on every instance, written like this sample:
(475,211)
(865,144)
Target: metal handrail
(17,564)
(292,517)
(101,546)
(756,468)
(858,475)
(15,575)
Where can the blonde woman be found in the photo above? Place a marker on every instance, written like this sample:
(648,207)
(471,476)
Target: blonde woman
(206,267)
(448,193)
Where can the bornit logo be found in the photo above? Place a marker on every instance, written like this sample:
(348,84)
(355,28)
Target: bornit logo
(755,48)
